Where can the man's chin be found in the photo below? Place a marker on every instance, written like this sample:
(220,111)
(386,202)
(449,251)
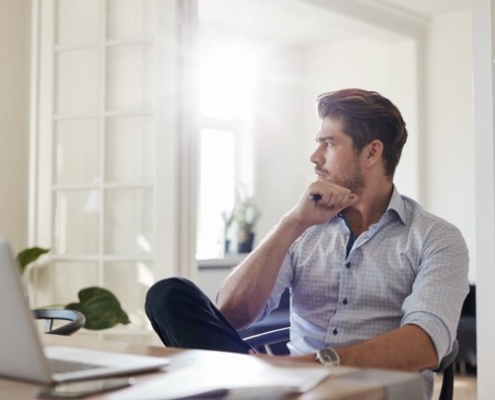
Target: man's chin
(326,178)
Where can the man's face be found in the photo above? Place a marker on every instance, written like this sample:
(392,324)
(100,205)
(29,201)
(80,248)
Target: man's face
(335,158)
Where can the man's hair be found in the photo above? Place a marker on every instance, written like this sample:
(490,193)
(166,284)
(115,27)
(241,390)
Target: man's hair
(367,116)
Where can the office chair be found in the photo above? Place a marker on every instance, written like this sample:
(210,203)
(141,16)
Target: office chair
(262,342)
(447,366)
(77,320)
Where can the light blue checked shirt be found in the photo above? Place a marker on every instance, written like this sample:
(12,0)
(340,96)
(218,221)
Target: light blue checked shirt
(409,268)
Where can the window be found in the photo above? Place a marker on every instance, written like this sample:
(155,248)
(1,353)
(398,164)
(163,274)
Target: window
(105,142)
(228,73)
(217,190)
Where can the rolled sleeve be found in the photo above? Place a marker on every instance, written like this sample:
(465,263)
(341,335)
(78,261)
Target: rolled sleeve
(440,287)
(435,328)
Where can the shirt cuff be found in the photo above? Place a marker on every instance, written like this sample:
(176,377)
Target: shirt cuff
(435,328)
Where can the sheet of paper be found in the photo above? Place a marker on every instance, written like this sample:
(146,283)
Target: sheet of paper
(265,380)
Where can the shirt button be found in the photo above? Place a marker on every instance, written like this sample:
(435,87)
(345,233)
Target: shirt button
(335,331)
(344,302)
(348,265)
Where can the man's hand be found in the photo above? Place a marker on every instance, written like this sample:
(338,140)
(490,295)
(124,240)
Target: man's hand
(320,202)
(397,349)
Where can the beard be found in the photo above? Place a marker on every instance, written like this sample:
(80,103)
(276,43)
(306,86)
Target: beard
(349,176)
(354,183)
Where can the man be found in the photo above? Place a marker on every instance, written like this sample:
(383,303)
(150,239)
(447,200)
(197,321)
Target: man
(376,281)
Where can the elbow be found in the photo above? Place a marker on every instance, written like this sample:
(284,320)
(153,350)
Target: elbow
(235,317)
(431,362)
(237,314)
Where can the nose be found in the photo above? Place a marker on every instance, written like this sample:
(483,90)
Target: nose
(317,156)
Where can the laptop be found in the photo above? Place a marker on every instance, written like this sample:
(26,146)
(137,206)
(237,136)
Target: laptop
(22,355)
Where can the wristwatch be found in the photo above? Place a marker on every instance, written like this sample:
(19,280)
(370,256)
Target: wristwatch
(328,357)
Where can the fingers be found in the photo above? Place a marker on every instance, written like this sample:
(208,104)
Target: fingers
(335,197)
(332,196)
(321,201)
(339,199)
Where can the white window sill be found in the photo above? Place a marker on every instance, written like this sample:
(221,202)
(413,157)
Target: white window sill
(226,262)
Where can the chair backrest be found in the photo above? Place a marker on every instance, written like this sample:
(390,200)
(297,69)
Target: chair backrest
(263,342)
(75,318)
(447,367)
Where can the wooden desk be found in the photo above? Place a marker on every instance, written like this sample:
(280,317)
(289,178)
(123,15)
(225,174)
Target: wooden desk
(343,383)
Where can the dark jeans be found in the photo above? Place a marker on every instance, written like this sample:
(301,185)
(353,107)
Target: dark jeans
(183,316)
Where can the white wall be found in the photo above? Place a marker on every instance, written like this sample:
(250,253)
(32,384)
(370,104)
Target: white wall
(279,160)
(14,119)
(483,28)
(449,140)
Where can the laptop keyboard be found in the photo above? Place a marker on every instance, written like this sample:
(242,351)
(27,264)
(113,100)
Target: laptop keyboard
(61,366)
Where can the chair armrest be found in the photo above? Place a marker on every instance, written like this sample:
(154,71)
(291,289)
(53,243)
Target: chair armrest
(267,338)
(77,320)
(449,358)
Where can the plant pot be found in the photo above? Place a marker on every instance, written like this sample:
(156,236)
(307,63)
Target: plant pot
(245,242)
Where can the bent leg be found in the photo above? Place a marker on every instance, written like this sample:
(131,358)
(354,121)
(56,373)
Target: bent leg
(183,316)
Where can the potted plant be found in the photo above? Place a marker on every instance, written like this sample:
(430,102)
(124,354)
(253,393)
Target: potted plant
(247,214)
(100,306)
(241,222)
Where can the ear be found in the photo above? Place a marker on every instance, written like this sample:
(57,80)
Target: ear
(374,151)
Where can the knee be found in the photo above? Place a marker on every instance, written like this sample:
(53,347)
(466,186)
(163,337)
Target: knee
(163,294)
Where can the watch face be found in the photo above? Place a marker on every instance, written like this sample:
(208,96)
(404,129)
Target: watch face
(328,357)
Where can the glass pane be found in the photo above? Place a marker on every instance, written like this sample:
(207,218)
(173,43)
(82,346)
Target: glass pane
(130,19)
(77,82)
(128,222)
(71,277)
(128,77)
(78,21)
(130,281)
(77,152)
(76,222)
(129,150)
(217,190)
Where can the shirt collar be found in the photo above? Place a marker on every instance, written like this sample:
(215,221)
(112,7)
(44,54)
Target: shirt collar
(397,204)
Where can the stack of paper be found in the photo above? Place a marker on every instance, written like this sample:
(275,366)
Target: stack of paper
(264,381)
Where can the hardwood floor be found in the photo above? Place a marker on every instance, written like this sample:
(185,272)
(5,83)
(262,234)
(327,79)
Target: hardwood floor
(464,387)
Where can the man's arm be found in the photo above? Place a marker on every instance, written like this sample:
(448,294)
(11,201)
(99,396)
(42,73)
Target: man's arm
(408,348)
(244,293)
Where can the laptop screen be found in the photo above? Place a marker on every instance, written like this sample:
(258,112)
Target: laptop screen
(21,353)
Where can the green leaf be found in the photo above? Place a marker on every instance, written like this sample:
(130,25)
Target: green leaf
(27,256)
(100,307)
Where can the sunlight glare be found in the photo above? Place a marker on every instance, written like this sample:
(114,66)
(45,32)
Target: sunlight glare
(227,73)
(217,190)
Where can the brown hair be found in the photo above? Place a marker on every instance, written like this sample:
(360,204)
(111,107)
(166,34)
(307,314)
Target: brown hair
(367,116)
